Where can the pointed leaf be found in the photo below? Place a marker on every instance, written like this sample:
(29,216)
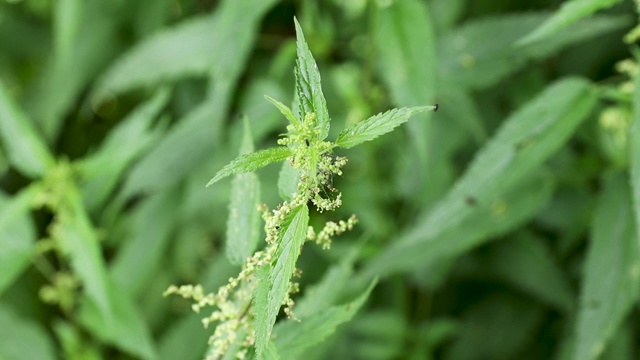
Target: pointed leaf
(611,282)
(570,12)
(242,224)
(251,162)
(25,148)
(274,280)
(308,85)
(294,337)
(284,109)
(377,125)
(523,143)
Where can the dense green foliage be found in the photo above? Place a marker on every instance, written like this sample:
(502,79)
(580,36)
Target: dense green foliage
(504,226)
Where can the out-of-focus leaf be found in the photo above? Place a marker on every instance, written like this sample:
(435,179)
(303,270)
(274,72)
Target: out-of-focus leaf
(405,44)
(324,293)
(124,327)
(192,48)
(528,265)
(570,12)
(308,85)
(406,48)
(26,150)
(288,181)
(141,253)
(274,282)
(184,339)
(611,282)
(73,345)
(242,223)
(522,144)
(76,62)
(22,338)
(294,337)
(377,125)
(483,52)
(102,170)
(496,328)
(18,235)
(379,334)
(634,154)
(77,238)
(251,162)
(187,145)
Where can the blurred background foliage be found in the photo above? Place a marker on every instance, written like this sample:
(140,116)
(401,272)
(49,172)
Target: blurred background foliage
(492,241)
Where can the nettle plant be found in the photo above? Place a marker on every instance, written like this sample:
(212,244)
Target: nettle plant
(247,307)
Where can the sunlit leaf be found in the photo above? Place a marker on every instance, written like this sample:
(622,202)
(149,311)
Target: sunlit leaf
(377,125)
(308,85)
(253,161)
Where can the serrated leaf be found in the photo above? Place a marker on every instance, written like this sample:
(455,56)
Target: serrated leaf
(323,294)
(25,148)
(251,162)
(22,338)
(308,86)
(522,144)
(18,235)
(274,279)
(102,170)
(570,12)
(611,282)
(294,337)
(242,223)
(284,109)
(377,125)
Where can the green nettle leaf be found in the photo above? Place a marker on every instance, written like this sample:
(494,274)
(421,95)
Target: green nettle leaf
(519,148)
(377,125)
(102,170)
(311,99)
(288,181)
(570,12)
(274,279)
(23,338)
(251,162)
(611,283)
(293,337)
(284,109)
(634,153)
(25,149)
(242,224)
(18,235)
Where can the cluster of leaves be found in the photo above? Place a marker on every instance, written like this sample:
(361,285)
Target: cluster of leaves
(507,227)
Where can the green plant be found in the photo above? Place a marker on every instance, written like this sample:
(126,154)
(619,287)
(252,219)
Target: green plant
(247,307)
